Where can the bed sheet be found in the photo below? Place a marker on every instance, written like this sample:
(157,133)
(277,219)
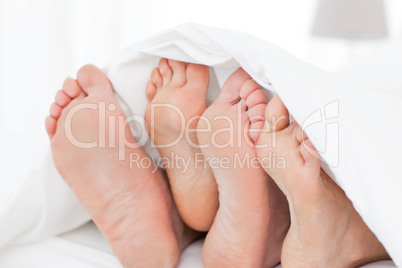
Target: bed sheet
(43,206)
(85,247)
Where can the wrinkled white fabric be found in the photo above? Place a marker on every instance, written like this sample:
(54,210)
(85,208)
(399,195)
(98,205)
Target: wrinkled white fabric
(85,247)
(355,130)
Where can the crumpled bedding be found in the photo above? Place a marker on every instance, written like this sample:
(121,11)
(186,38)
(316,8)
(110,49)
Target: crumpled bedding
(357,131)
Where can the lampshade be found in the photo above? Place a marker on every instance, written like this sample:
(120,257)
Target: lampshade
(351,19)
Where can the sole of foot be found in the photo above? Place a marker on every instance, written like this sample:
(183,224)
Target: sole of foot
(253,217)
(176,97)
(131,205)
(319,209)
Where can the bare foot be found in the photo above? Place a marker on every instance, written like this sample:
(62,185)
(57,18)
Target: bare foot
(177,98)
(131,205)
(326,230)
(253,217)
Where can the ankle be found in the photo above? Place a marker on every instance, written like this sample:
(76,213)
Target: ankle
(368,249)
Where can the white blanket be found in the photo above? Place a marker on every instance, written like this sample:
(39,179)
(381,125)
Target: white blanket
(357,131)
(85,247)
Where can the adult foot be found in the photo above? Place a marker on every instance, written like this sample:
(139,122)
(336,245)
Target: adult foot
(130,204)
(253,217)
(326,230)
(177,98)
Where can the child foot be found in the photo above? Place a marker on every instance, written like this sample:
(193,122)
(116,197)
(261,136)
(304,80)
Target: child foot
(325,231)
(253,217)
(131,205)
(177,98)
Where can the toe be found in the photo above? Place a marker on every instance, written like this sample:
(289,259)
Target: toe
(256,113)
(71,87)
(166,71)
(93,81)
(255,98)
(276,114)
(257,119)
(156,78)
(150,91)
(179,73)
(255,130)
(256,102)
(306,149)
(248,87)
(55,111)
(231,89)
(50,125)
(310,155)
(298,132)
(197,74)
(62,99)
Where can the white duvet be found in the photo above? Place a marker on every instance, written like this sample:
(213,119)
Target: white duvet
(356,129)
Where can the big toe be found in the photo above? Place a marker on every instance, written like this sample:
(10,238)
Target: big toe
(276,115)
(93,81)
(257,121)
(231,89)
(276,120)
(166,71)
(197,75)
(71,88)
(179,73)
(310,155)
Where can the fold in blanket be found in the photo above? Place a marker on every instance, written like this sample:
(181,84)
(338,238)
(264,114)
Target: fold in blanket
(356,131)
